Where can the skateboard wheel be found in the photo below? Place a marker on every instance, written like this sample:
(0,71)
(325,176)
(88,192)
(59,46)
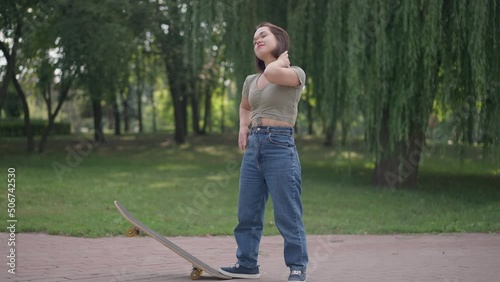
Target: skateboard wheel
(131,232)
(196,274)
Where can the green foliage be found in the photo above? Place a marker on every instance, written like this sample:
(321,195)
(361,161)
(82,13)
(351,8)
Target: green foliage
(15,128)
(385,66)
(470,63)
(12,105)
(95,39)
(391,57)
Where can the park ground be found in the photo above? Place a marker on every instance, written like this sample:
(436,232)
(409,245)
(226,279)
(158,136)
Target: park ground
(424,257)
(68,228)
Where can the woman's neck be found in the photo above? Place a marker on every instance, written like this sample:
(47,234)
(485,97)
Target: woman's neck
(269,60)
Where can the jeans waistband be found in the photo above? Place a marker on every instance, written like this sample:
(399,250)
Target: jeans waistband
(272,129)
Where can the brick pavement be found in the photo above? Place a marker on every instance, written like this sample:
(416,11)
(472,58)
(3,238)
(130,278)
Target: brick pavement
(445,257)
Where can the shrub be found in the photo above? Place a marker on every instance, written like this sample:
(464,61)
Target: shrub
(15,128)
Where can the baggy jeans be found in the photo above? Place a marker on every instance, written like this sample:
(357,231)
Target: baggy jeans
(271,166)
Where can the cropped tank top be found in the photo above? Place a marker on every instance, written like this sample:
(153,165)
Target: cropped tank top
(274,101)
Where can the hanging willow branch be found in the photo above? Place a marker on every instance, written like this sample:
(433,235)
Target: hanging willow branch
(397,62)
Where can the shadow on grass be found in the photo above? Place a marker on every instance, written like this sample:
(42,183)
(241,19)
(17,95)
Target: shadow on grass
(470,189)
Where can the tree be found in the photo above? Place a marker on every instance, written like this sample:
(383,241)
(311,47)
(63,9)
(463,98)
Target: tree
(10,54)
(415,51)
(16,17)
(67,74)
(470,92)
(95,37)
(181,30)
(393,61)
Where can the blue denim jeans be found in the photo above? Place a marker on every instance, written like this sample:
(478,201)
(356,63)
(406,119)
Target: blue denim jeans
(271,166)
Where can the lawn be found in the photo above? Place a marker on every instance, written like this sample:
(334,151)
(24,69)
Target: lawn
(192,189)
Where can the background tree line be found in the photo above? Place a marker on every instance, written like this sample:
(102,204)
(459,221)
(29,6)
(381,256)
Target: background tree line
(393,68)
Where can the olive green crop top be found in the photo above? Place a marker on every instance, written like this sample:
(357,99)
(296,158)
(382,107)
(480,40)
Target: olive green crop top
(274,101)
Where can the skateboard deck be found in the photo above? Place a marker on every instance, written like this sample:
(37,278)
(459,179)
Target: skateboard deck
(198,266)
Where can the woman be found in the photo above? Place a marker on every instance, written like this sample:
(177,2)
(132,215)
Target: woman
(270,164)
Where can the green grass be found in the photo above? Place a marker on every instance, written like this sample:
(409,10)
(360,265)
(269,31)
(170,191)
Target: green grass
(193,189)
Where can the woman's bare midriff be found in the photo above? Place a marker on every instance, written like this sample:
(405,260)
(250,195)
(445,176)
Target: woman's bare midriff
(271,122)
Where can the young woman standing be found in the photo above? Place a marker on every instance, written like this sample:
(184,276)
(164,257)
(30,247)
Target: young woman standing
(270,165)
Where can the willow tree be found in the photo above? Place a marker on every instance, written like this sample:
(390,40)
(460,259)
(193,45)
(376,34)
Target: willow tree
(334,94)
(396,62)
(399,68)
(241,18)
(308,49)
(417,52)
(471,73)
(318,43)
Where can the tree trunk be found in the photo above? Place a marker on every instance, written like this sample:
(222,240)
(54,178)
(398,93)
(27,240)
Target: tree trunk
(195,108)
(139,110)
(173,55)
(410,160)
(97,110)
(179,120)
(52,116)
(139,88)
(400,168)
(126,110)
(223,109)
(45,135)
(208,111)
(179,102)
(30,141)
(116,117)
(5,84)
(184,112)
(11,65)
(177,92)
(330,132)
(386,173)
(153,104)
(386,167)
(345,131)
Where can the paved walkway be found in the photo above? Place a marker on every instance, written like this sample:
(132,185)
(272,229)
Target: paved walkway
(447,257)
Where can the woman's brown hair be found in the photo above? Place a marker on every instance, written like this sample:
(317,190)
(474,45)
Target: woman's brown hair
(283,43)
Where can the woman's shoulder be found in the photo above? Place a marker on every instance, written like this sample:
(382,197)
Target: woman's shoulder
(252,76)
(297,68)
(300,73)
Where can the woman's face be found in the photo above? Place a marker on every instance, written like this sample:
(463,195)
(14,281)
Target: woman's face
(264,42)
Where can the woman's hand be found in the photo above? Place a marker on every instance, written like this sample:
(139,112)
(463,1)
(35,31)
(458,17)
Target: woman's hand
(243,137)
(283,60)
(279,72)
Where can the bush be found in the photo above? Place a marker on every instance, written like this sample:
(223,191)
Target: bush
(15,128)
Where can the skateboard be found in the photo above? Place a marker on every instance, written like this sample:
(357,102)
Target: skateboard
(198,266)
